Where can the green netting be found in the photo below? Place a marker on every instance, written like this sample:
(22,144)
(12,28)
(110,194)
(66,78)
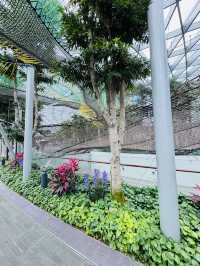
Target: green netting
(35,26)
(48,10)
(22,26)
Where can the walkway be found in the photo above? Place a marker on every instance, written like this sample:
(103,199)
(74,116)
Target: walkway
(31,237)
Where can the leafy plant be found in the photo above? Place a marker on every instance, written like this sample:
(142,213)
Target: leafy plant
(16,133)
(18,161)
(141,198)
(64,178)
(196,197)
(19,158)
(97,187)
(35,166)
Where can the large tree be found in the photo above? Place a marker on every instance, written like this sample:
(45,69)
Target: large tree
(102,33)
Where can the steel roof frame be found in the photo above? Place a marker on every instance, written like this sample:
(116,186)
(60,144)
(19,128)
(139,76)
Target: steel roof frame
(176,36)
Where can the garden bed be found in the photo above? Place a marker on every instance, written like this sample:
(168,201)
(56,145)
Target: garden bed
(132,227)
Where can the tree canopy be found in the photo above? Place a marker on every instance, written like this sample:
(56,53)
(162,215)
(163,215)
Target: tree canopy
(102,32)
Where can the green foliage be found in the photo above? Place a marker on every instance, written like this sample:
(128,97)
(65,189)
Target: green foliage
(8,69)
(97,191)
(15,133)
(196,152)
(35,166)
(42,76)
(103,31)
(97,186)
(140,198)
(132,228)
(76,122)
(107,19)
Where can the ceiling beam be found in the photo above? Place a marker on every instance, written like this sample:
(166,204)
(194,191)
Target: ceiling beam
(186,25)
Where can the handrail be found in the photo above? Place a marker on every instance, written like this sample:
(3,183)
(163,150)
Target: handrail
(137,166)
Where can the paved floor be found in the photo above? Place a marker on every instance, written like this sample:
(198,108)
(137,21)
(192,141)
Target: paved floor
(30,236)
(24,242)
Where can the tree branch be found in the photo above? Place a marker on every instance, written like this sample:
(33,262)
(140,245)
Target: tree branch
(96,107)
(93,77)
(36,115)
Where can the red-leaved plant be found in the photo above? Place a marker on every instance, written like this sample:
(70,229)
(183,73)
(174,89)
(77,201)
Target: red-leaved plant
(18,161)
(196,197)
(64,178)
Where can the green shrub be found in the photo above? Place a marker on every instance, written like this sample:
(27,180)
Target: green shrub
(96,186)
(64,178)
(132,228)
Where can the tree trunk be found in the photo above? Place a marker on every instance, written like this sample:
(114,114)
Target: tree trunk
(122,117)
(115,146)
(6,141)
(20,145)
(18,114)
(115,171)
(16,104)
(36,115)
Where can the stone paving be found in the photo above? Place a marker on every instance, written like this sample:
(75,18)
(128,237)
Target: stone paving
(30,236)
(24,242)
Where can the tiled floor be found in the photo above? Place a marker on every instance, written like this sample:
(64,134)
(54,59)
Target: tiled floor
(24,242)
(30,236)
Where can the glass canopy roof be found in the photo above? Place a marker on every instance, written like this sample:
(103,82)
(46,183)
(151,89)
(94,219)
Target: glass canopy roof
(182,27)
(42,42)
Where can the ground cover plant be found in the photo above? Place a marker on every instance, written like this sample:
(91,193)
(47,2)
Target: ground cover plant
(132,227)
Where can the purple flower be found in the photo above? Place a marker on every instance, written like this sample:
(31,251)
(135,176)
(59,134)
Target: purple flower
(105,177)
(86,180)
(96,176)
(20,162)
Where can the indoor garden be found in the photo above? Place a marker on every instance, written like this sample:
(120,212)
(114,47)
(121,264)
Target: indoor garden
(99,132)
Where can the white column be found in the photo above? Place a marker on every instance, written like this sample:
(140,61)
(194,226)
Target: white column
(169,215)
(28,123)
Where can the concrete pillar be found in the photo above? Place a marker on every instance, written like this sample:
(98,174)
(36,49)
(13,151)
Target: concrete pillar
(28,123)
(169,215)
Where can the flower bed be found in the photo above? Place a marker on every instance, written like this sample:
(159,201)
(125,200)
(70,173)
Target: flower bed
(132,228)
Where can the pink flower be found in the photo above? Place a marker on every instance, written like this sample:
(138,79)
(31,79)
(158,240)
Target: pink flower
(197,187)
(73,164)
(195,198)
(19,155)
(65,169)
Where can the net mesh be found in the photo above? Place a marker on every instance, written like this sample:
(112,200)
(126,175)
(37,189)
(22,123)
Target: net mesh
(22,26)
(139,128)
